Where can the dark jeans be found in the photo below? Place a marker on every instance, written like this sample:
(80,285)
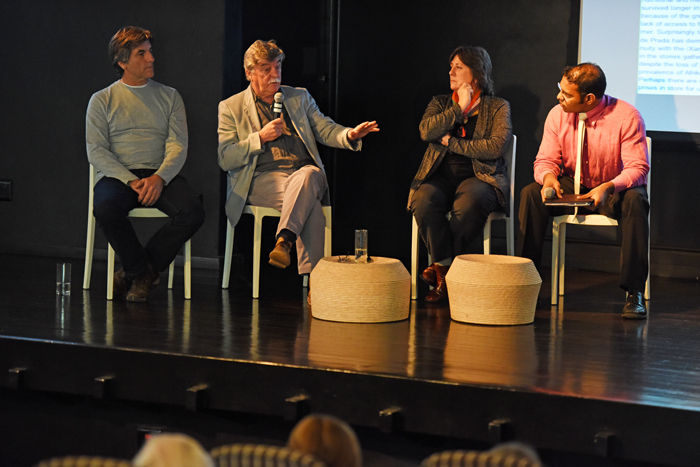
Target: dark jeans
(112,203)
(629,207)
(470,202)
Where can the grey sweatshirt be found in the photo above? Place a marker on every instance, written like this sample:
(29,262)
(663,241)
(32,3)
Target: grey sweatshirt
(136,127)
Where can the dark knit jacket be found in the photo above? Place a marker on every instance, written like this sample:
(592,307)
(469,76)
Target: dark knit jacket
(487,148)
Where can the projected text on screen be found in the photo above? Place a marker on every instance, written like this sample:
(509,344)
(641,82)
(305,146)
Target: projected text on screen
(669,47)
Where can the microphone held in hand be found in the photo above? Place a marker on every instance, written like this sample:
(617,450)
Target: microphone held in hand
(550,193)
(277,107)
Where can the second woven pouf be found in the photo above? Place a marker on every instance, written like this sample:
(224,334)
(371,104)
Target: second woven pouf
(374,292)
(493,289)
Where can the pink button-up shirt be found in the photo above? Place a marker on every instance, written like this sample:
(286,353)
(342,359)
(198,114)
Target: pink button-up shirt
(615,146)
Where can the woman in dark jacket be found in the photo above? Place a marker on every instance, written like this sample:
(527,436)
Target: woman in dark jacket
(463,171)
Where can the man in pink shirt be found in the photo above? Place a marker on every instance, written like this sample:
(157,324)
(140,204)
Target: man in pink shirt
(614,168)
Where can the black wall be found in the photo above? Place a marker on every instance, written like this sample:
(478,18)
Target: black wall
(392,61)
(58,52)
(391,58)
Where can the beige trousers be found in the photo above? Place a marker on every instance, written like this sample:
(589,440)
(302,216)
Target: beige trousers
(297,195)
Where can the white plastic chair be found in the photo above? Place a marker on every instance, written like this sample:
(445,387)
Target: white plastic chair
(259,213)
(494,216)
(559,240)
(138,212)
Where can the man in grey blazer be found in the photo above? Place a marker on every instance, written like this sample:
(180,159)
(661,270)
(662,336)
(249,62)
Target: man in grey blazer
(274,162)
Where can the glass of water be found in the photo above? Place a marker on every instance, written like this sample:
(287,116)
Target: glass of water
(361,255)
(63,278)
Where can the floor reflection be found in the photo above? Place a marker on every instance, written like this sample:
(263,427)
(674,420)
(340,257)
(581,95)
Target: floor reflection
(500,355)
(580,347)
(372,347)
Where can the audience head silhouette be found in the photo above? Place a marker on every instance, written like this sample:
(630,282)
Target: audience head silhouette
(329,439)
(172,450)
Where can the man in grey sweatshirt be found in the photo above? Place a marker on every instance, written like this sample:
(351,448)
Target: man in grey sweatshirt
(136,136)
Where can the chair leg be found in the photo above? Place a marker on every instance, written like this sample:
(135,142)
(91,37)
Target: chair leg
(647,287)
(647,290)
(228,254)
(510,235)
(89,249)
(562,257)
(257,240)
(414,260)
(328,242)
(110,272)
(171,275)
(487,236)
(327,239)
(188,269)
(554,286)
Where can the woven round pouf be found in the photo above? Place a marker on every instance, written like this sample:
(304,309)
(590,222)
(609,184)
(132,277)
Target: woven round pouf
(493,289)
(374,292)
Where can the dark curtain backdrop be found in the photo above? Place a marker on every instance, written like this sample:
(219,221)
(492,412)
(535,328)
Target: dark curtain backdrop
(58,51)
(390,58)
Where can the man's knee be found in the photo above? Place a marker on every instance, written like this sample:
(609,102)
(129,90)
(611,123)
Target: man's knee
(199,215)
(193,215)
(315,176)
(637,195)
(636,201)
(307,179)
(530,192)
(107,211)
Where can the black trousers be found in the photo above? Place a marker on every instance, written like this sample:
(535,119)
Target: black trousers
(112,203)
(629,207)
(470,202)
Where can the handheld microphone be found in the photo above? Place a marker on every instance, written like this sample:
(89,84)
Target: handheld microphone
(549,192)
(277,108)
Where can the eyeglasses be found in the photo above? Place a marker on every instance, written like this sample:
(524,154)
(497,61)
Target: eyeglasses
(566,96)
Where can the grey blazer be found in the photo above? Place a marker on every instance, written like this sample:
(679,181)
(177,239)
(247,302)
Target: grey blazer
(239,140)
(487,148)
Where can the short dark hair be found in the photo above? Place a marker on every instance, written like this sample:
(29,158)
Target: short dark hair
(124,41)
(479,62)
(588,77)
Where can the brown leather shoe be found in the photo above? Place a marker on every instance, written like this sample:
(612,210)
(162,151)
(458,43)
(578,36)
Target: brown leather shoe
(439,292)
(122,283)
(279,257)
(142,285)
(429,276)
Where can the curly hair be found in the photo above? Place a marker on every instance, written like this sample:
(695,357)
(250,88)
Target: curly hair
(261,50)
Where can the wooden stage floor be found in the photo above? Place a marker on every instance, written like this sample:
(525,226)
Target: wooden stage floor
(580,381)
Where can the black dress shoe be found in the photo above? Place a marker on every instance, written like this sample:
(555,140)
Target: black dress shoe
(634,308)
